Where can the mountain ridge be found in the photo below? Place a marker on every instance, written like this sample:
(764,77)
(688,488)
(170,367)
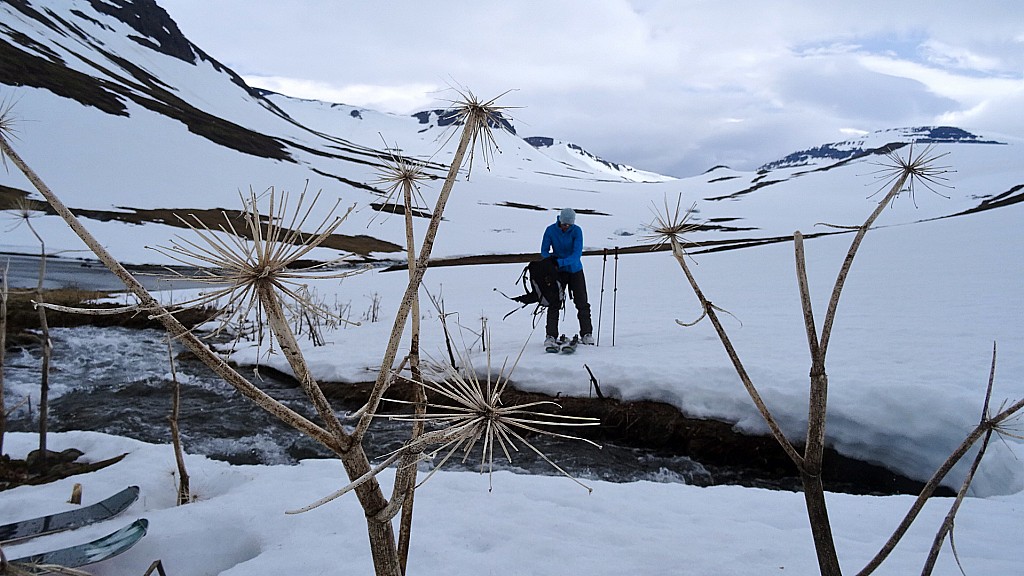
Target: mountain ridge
(132,129)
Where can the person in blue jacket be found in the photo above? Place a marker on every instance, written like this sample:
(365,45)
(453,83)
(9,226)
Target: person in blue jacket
(563,241)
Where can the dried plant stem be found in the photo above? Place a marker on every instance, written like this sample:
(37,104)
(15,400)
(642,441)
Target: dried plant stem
(352,454)
(184,491)
(47,351)
(709,310)
(933,484)
(817,404)
(814,446)
(988,423)
(293,353)
(833,303)
(416,277)
(87,311)
(947,523)
(405,480)
(3,353)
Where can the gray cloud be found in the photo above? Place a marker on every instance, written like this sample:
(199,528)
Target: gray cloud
(668,86)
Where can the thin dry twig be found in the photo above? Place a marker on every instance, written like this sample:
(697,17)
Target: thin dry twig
(670,224)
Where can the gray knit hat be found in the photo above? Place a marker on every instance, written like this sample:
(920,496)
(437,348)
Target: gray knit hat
(568,216)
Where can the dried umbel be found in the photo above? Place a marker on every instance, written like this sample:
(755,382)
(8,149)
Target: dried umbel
(470,414)
(265,253)
(670,224)
(478,117)
(400,178)
(905,174)
(469,417)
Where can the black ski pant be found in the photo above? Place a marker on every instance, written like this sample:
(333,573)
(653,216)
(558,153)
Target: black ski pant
(576,282)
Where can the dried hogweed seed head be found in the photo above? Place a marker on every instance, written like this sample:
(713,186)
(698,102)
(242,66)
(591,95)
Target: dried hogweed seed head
(670,224)
(480,118)
(265,252)
(469,417)
(905,174)
(401,174)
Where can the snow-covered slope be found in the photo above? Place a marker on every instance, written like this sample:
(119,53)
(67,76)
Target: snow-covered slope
(573,155)
(119,113)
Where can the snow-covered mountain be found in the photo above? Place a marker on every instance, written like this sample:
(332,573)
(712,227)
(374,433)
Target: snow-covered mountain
(126,119)
(827,154)
(574,155)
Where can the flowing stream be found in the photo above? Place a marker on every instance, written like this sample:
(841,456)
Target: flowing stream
(118,381)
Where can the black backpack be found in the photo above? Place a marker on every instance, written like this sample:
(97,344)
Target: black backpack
(541,286)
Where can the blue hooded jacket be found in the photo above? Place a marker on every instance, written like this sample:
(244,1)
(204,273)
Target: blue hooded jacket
(566,247)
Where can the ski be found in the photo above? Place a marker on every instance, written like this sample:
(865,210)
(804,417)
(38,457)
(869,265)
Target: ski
(74,556)
(570,347)
(556,346)
(76,518)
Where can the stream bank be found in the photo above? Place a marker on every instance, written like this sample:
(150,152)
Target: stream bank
(641,440)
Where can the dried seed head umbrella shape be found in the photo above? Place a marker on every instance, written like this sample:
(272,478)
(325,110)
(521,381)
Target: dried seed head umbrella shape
(470,413)
(479,118)
(470,416)
(669,225)
(398,175)
(22,212)
(263,253)
(7,124)
(906,174)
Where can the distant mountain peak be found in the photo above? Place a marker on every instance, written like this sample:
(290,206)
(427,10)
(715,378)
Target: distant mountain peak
(440,117)
(846,149)
(625,171)
(159,32)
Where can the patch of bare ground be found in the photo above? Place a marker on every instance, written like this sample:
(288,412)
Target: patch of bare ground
(34,470)
(23,319)
(214,218)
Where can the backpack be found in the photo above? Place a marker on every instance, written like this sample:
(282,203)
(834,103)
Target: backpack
(540,285)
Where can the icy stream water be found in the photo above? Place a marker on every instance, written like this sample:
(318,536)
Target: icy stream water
(118,381)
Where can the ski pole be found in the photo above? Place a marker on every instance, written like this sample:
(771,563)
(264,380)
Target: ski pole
(600,305)
(615,290)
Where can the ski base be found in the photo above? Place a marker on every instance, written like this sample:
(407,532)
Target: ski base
(32,527)
(82,554)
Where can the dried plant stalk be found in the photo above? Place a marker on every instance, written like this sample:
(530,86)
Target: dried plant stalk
(902,175)
(175,328)
(403,175)
(45,343)
(3,353)
(184,491)
(987,424)
(476,117)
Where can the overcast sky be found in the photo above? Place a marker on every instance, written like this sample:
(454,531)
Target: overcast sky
(671,86)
